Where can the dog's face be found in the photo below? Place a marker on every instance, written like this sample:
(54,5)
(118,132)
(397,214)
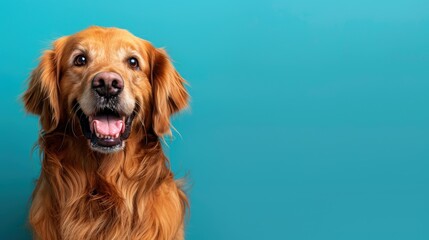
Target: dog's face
(109,81)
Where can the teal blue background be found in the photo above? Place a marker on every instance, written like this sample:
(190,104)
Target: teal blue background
(309,119)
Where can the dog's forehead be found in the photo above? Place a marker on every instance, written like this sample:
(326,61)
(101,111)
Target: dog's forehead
(106,39)
(101,33)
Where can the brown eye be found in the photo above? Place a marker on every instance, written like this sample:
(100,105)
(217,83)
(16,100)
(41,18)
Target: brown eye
(80,60)
(133,62)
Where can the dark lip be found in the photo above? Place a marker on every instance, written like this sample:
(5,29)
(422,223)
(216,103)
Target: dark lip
(105,145)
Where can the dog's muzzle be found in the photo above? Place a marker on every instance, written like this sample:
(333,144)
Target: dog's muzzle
(108,127)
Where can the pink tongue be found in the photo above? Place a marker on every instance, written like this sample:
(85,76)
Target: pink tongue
(107,125)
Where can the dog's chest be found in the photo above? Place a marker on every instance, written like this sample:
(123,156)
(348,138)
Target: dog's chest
(99,215)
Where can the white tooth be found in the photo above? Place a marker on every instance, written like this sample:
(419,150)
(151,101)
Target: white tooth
(117,135)
(109,137)
(98,135)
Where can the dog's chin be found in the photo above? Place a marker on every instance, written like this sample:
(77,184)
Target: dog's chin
(106,130)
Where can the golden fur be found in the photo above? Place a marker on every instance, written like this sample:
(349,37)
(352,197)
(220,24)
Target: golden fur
(84,194)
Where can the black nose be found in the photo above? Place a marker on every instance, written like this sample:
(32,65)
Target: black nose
(107,84)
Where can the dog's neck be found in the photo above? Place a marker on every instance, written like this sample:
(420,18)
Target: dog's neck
(142,161)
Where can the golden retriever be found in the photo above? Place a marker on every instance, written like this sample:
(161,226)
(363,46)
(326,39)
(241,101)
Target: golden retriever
(105,98)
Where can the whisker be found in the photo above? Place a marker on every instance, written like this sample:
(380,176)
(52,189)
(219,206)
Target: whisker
(180,135)
(141,121)
(165,142)
(67,123)
(144,129)
(73,119)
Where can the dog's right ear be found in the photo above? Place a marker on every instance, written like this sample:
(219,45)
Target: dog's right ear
(42,96)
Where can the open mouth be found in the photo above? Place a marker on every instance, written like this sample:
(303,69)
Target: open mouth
(106,129)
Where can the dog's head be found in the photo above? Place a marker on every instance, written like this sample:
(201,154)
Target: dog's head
(109,81)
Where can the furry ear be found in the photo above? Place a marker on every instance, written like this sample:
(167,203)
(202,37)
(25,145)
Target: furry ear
(169,93)
(42,96)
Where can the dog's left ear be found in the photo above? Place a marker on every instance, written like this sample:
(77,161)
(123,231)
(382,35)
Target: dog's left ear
(169,92)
